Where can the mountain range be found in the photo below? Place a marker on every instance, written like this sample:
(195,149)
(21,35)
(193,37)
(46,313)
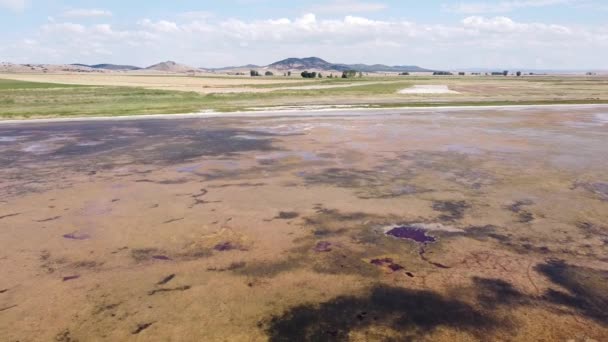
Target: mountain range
(294,64)
(316,63)
(109,66)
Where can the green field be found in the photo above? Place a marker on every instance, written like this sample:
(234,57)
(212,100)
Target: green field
(29,99)
(19,99)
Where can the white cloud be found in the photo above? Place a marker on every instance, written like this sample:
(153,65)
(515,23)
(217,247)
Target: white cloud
(348,7)
(501,6)
(159,26)
(475,41)
(14,5)
(86,13)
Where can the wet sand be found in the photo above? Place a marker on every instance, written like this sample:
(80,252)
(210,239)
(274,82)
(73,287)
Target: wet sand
(442,225)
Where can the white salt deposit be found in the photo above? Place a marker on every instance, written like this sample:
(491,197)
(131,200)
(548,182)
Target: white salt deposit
(428,89)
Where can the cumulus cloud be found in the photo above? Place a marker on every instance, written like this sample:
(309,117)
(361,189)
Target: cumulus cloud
(475,41)
(501,6)
(348,7)
(159,26)
(14,5)
(86,13)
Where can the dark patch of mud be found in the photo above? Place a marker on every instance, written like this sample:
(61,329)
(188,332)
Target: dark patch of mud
(141,255)
(600,189)
(323,247)
(342,243)
(173,220)
(492,293)
(452,210)
(592,229)
(73,277)
(287,215)
(506,239)
(8,307)
(77,236)
(411,233)
(166,279)
(232,267)
(141,327)
(65,336)
(228,246)
(49,219)
(270,269)
(178,289)
(517,207)
(343,178)
(145,254)
(408,314)
(9,215)
(587,288)
(240,185)
(388,263)
(385,181)
(89,148)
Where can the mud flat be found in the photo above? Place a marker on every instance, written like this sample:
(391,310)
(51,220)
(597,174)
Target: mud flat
(435,224)
(428,89)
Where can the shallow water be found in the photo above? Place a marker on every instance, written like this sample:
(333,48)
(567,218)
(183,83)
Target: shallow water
(276,228)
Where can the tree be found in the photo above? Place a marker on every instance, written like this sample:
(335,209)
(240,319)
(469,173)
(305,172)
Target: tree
(289,73)
(307,74)
(349,73)
(320,75)
(269,73)
(254,73)
(505,73)
(519,74)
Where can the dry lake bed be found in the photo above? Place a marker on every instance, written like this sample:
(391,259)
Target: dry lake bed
(440,225)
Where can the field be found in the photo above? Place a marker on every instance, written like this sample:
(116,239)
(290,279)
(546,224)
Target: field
(484,224)
(59,95)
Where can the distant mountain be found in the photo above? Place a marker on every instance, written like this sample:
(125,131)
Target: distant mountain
(316,63)
(385,68)
(248,66)
(109,66)
(171,66)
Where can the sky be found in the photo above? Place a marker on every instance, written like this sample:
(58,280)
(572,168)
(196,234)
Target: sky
(439,34)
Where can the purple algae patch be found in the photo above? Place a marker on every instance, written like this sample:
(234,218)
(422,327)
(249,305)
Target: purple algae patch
(224,247)
(388,263)
(411,233)
(68,278)
(77,236)
(161,257)
(323,246)
(381,262)
(395,267)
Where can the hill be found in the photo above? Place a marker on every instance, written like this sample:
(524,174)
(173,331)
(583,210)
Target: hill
(109,66)
(171,66)
(316,63)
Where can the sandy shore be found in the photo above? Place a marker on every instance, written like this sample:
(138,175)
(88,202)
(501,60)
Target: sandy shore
(305,111)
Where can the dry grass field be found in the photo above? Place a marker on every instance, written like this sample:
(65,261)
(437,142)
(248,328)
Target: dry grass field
(54,95)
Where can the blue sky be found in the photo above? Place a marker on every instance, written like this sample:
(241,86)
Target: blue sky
(556,34)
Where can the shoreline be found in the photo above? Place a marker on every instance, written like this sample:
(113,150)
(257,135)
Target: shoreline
(298,112)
